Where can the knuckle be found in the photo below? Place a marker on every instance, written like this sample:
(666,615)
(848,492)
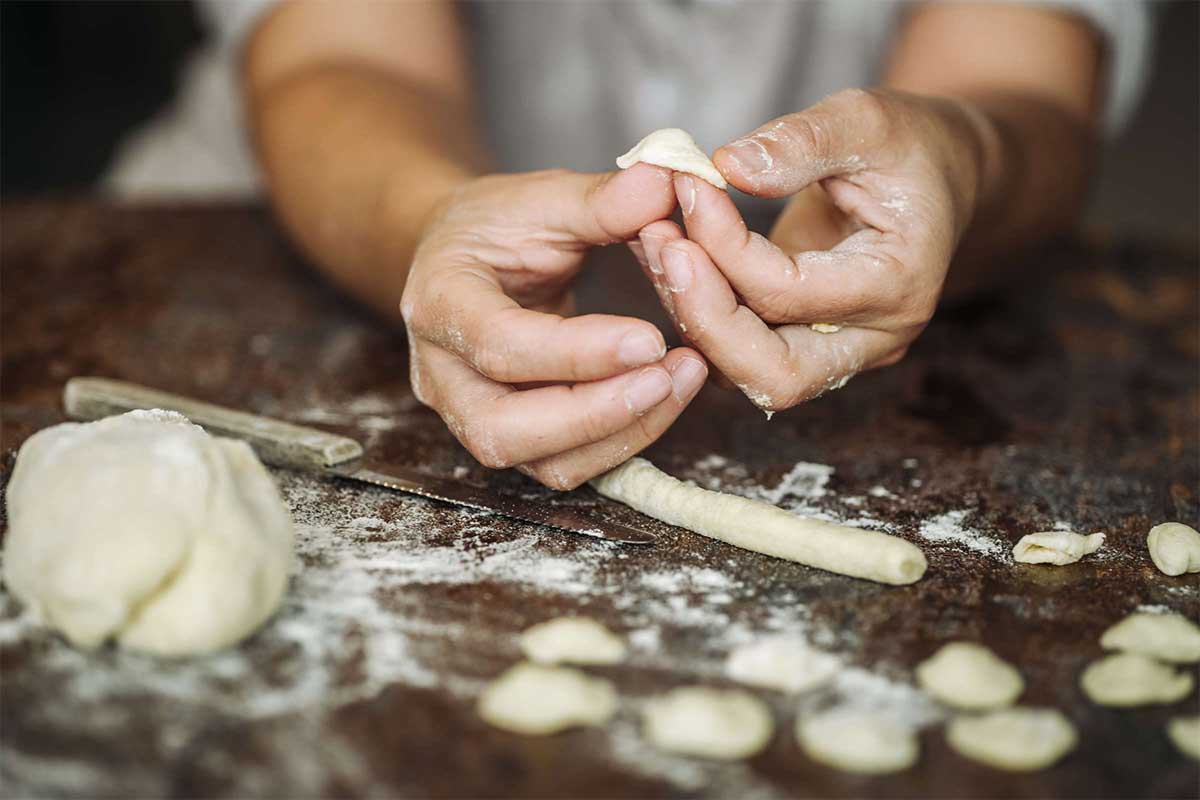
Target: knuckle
(491,358)
(869,106)
(895,357)
(482,443)
(918,308)
(767,397)
(593,425)
(804,134)
(773,305)
(552,476)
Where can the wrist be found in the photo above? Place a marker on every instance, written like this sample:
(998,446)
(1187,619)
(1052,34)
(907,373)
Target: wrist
(991,156)
(409,209)
(983,146)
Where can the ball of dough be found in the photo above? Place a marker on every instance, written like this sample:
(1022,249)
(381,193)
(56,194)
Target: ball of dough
(1185,733)
(1167,637)
(725,724)
(968,675)
(572,640)
(861,742)
(782,663)
(1016,739)
(144,528)
(1056,547)
(535,699)
(1174,548)
(1132,679)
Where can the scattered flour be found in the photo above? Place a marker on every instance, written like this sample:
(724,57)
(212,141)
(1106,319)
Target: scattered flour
(1154,609)
(949,528)
(387,591)
(859,690)
(804,483)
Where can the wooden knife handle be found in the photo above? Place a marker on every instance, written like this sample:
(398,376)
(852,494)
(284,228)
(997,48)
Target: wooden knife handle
(280,443)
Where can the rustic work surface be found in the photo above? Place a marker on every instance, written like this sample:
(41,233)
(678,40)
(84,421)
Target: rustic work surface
(1072,403)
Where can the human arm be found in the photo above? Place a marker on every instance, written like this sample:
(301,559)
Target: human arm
(888,185)
(363,120)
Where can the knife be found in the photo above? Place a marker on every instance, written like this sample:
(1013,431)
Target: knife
(283,444)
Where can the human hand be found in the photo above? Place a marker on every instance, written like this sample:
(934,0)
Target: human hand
(885,184)
(517,382)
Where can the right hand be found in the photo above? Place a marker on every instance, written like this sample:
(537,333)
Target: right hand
(492,350)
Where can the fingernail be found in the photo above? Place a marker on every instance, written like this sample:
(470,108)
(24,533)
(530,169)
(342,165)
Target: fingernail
(649,388)
(751,156)
(678,267)
(651,259)
(640,347)
(687,377)
(639,252)
(685,190)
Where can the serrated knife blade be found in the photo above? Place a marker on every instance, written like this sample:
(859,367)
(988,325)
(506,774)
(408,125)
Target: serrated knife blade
(459,493)
(284,444)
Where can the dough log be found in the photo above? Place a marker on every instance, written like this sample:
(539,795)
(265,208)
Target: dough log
(763,528)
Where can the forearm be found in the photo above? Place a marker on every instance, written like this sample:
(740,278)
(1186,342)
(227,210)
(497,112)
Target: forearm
(1035,159)
(1027,80)
(355,160)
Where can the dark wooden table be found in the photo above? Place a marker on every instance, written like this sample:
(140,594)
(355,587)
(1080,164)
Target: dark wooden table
(1072,401)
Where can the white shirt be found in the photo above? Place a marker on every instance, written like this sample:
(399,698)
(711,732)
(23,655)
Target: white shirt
(574,84)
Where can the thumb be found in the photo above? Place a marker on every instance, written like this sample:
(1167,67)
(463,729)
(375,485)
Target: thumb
(835,137)
(607,207)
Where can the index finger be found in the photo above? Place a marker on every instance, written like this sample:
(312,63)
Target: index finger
(470,315)
(845,284)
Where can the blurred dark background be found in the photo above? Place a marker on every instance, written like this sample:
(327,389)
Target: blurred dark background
(76,76)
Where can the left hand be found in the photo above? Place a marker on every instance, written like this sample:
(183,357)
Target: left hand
(885,184)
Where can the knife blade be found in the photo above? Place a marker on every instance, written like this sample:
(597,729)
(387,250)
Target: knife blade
(284,444)
(505,504)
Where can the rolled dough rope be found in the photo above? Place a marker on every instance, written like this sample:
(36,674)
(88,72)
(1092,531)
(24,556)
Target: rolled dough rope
(763,528)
